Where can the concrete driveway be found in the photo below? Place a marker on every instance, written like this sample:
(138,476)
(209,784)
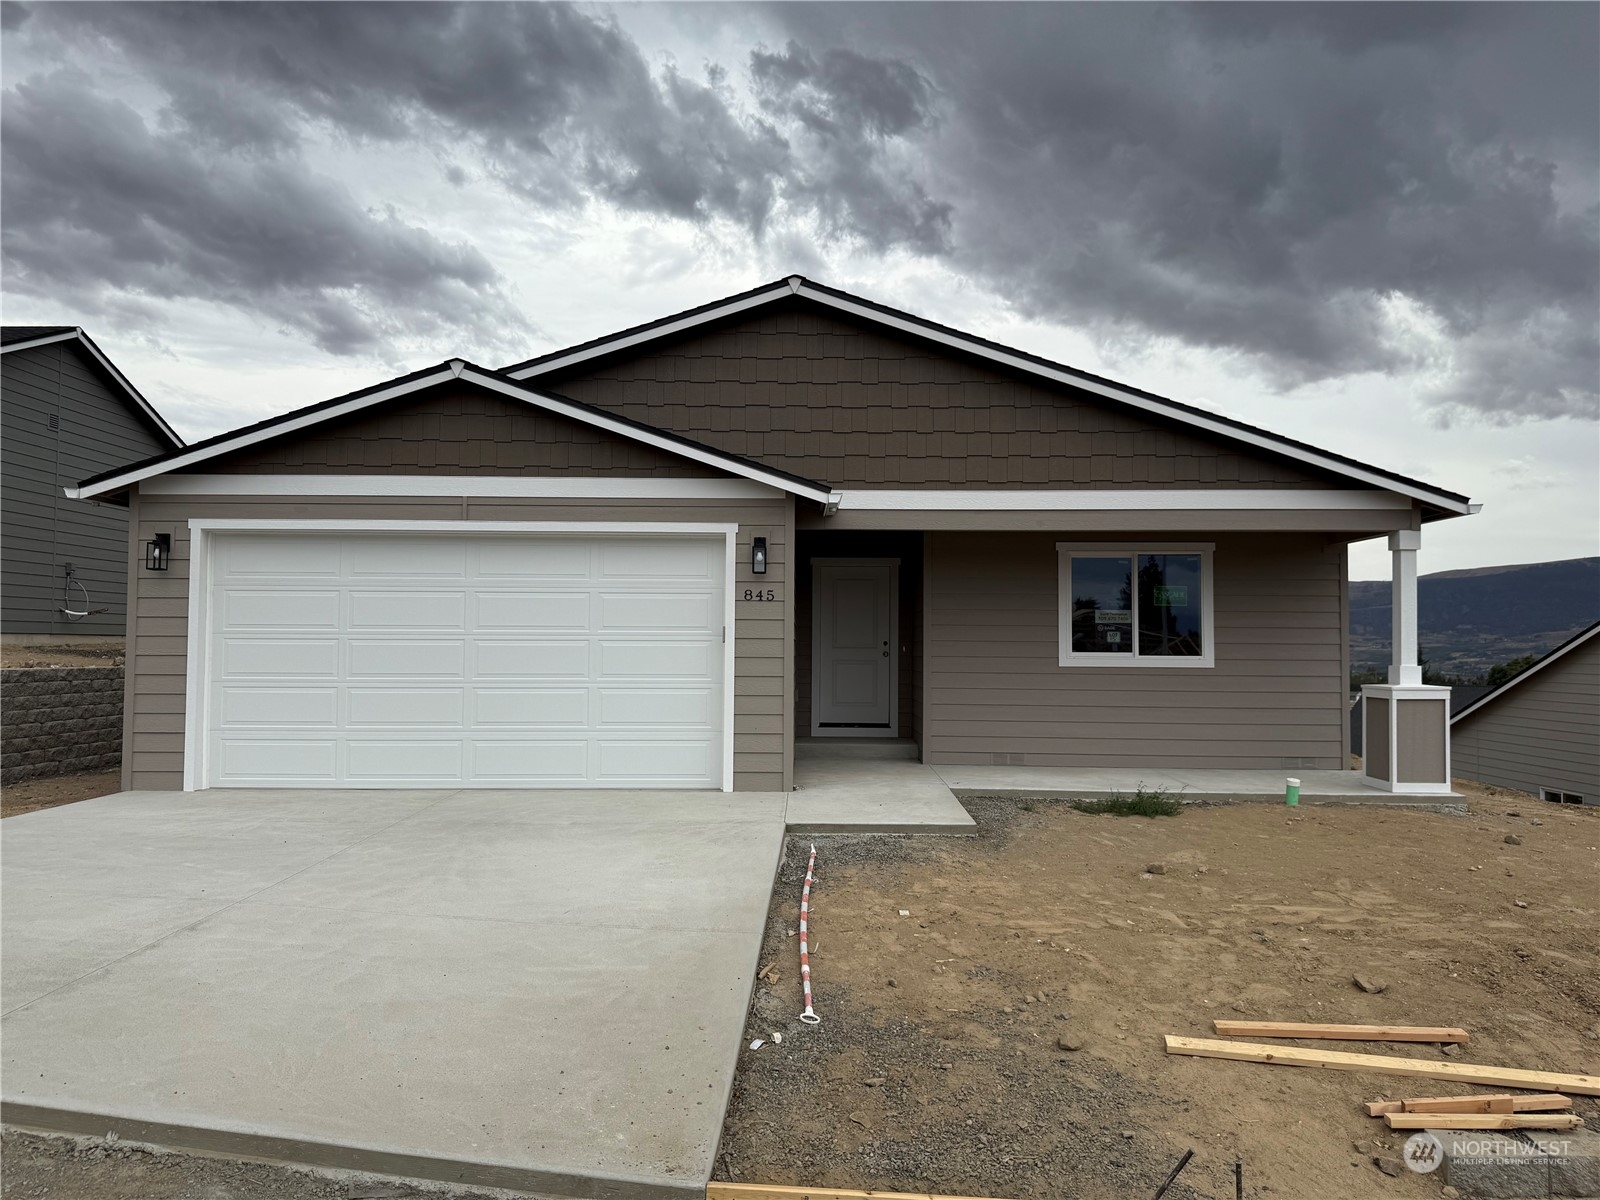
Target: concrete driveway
(537,990)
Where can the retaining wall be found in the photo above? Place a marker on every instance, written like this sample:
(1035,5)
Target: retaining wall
(59,721)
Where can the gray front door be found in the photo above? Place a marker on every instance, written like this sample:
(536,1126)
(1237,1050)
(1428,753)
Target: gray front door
(854,647)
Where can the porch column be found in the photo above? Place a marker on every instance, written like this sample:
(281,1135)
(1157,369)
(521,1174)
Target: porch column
(1403,664)
(1405,723)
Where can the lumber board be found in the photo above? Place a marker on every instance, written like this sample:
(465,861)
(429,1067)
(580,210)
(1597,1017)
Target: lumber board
(1352,1033)
(1505,1103)
(1482,1121)
(1376,1108)
(1386,1064)
(777,1191)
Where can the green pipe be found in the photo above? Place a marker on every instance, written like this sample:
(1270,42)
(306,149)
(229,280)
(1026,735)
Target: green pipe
(1291,793)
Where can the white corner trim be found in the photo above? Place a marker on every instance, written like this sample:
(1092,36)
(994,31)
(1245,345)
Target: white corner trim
(1120,499)
(201,530)
(1208,622)
(455,370)
(133,393)
(587,487)
(1554,656)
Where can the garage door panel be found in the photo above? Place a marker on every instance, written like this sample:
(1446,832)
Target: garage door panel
(278,708)
(436,558)
(282,761)
(674,708)
(279,658)
(658,660)
(627,611)
(520,708)
(403,609)
(532,763)
(531,660)
(515,661)
(279,610)
(644,763)
(412,658)
(534,611)
(420,708)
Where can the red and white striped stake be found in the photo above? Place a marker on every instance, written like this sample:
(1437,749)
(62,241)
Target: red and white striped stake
(809,1017)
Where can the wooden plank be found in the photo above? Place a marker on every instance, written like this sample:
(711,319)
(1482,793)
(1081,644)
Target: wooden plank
(775,1191)
(1385,1064)
(1472,1121)
(1505,1103)
(1354,1033)
(1376,1108)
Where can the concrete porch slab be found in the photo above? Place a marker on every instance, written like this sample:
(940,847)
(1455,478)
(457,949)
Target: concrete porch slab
(1093,783)
(839,791)
(543,991)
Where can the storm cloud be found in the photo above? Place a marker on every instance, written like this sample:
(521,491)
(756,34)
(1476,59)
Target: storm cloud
(1316,191)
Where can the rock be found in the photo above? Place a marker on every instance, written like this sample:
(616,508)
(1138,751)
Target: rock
(1127,1135)
(1238,1008)
(1155,869)
(1068,1042)
(1364,1148)
(1513,840)
(1370,984)
(860,1119)
(1513,813)
(1450,1050)
(892,982)
(875,1081)
(1521,903)
(1448,1192)
(1389,1166)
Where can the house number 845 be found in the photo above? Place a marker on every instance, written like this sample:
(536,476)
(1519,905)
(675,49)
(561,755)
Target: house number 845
(760,594)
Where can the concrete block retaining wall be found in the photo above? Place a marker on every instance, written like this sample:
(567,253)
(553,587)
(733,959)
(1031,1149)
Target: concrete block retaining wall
(59,721)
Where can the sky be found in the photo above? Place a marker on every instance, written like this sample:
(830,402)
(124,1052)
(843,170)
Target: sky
(1373,227)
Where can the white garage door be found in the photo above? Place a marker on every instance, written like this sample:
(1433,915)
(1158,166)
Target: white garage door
(494,661)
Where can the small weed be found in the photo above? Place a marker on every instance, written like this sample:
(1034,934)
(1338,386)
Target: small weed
(1145,802)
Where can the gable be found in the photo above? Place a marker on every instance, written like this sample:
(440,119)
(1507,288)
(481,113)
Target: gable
(96,426)
(825,396)
(456,429)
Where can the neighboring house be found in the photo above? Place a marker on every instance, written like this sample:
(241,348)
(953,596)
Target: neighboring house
(65,412)
(1540,730)
(661,557)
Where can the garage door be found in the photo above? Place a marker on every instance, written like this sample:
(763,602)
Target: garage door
(492,661)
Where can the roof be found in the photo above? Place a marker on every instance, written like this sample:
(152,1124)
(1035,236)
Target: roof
(26,337)
(453,370)
(1560,652)
(1444,503)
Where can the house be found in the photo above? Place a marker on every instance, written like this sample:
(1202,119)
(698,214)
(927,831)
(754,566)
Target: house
(1540,730)
(663,557)
(67,412)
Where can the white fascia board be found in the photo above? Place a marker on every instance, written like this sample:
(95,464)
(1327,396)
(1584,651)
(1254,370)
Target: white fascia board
(1122,499)
(1554,656)
(710,458)
(1211,425)
(353,525)
(612,345)
(557,487)
(121,380)
(453,370)
(138,474)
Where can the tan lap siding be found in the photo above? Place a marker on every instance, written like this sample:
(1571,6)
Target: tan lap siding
(1544,732)
(1275,699)
(159,607)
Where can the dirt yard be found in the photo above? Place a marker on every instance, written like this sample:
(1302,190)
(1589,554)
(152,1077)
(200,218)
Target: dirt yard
(61,654)
(1004,1039)
(18,798)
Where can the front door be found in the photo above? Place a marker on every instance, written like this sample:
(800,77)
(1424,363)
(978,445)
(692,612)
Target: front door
(855,654)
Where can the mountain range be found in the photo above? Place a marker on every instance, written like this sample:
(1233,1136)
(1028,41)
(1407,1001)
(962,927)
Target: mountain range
(1470,620)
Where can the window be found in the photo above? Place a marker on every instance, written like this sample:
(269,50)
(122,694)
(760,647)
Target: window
(1135,606)
(1560,797)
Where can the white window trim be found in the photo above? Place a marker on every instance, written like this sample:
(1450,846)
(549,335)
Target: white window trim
(197,698)
(1066,551)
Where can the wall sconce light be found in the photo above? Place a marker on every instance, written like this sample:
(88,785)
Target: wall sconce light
(158,552)
(758,556)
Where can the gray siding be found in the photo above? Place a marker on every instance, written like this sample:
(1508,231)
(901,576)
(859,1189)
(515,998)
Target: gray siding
(157,651)
(809,392)
(1276,698)
(459,430)
(40,528)
(1544,732)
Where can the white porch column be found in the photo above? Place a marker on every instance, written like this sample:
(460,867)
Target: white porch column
(1403,665)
